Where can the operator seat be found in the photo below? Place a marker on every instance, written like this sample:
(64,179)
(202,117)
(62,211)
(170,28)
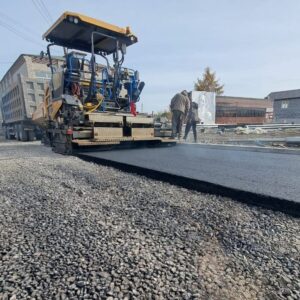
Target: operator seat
(73,68)
(72,74)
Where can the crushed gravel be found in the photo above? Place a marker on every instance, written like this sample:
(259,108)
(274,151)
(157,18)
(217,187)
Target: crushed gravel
(70,229)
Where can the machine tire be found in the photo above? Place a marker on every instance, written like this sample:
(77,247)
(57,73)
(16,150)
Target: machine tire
(23,134)
(46,138)
(17,130)
(62,144)
(6,134)
(31,135)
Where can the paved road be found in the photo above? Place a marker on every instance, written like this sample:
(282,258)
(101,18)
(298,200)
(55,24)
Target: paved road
(272,174)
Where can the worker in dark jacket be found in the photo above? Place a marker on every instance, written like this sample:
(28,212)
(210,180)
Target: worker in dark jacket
(180,106)
(192,119)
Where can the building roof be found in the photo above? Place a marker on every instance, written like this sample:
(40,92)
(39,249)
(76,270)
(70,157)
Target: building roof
(289,94)
(243,102)
(237,98)
(20,57)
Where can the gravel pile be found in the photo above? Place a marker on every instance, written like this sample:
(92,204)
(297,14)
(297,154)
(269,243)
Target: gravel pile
(70,229)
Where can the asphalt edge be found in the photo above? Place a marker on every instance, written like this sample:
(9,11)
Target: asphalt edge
(275,204)
(243,148)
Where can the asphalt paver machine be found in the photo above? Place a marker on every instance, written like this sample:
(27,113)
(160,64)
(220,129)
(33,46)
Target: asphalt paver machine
(89,103)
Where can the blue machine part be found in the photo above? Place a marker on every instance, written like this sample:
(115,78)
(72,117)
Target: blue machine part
(128,79)
(105,89)
(133,85)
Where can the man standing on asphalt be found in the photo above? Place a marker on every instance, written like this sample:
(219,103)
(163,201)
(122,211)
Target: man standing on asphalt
(192,119)
(180,105)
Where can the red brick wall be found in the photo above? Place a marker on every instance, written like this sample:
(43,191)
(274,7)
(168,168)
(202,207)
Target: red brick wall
(240,120)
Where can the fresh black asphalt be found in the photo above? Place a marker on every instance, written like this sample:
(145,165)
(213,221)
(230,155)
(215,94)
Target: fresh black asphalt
(273,175)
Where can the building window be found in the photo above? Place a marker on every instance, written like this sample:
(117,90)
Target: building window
(31,97)
(40,86)
(43,74)
(32,108)
(29,85)
(284,104)
(40,98)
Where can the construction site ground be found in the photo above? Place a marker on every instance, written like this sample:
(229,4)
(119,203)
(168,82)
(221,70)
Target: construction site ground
(71,229)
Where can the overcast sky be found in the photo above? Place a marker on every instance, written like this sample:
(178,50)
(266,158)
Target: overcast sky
(253,45)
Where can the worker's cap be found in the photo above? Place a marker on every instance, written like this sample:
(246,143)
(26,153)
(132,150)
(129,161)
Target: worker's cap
(184,92)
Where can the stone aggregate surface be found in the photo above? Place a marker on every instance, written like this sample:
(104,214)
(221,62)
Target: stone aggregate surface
(70,229)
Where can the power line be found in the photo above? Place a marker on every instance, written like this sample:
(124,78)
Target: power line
(24,35)
(46,10)
(22,30)
(18,33)
(40,11)
(10,19)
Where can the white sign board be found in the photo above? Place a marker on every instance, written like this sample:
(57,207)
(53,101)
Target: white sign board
(206,106)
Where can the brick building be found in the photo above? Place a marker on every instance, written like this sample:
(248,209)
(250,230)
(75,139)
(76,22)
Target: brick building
(241,110)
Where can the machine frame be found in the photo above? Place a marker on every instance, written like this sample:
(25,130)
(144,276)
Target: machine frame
(81,110)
